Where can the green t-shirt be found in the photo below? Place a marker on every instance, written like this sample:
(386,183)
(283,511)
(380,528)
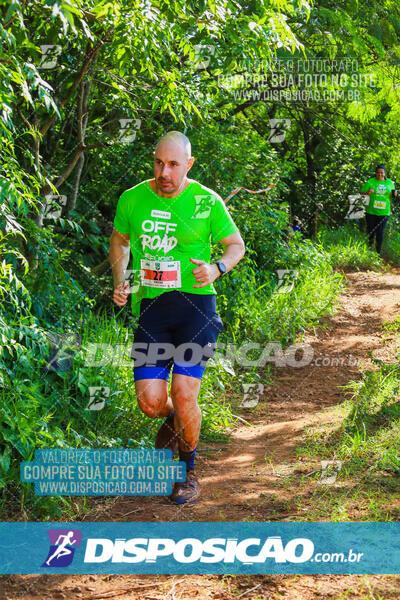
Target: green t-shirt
(166,232)
(379,201)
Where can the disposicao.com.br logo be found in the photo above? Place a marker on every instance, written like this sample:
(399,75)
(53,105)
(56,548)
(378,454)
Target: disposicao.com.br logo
(105,551)
(190,550)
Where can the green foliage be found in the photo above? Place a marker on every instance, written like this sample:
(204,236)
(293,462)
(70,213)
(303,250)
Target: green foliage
(371,431)
(255,309)
(391,240)
(348,248)
(368,438)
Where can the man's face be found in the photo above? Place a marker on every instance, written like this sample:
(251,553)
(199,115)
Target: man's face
(380,174)
(170,167)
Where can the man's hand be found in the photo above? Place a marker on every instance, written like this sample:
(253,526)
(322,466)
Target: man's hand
(370,191)
(204,273)
(121,293)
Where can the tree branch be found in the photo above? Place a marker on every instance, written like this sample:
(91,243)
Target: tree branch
(90,54)
(47,189)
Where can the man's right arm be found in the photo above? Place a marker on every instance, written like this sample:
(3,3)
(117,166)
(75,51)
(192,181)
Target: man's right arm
(119,259)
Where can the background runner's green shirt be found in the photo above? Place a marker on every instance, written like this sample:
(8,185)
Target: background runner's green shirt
(379,201)
(171,229)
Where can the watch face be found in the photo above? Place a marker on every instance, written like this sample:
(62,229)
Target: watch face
(221,267)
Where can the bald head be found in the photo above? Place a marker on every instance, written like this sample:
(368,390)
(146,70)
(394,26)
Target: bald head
(172,161)
(177,138)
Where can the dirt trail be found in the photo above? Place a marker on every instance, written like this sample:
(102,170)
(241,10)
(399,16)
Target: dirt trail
(244,479)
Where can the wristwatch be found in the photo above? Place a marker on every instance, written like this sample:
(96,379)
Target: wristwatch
(221,267)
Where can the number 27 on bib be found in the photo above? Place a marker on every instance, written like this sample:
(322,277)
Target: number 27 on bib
(161,274)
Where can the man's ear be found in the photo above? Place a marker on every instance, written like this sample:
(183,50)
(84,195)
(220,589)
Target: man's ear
(190,164)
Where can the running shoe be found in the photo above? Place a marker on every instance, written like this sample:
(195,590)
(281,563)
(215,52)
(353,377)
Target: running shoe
(185,492)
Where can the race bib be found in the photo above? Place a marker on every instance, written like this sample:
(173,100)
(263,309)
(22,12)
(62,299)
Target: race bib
(162,274)
(380,204)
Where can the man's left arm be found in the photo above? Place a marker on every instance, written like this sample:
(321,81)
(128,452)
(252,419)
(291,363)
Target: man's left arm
(206,273)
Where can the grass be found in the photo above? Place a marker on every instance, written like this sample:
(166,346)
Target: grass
(370,433)
(348,249)
(391,241)
(366,437)
(254,308)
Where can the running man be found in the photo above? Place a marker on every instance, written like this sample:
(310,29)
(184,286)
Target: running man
(380,190)
(167,223)
(62,542)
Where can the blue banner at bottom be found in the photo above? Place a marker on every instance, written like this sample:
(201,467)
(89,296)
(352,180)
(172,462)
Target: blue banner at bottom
(200,548)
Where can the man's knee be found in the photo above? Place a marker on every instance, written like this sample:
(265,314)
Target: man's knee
(152,402)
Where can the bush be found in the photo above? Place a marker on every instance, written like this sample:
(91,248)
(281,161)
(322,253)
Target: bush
(348,248)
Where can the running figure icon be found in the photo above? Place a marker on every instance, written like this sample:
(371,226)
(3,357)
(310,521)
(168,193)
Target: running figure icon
(62,549)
